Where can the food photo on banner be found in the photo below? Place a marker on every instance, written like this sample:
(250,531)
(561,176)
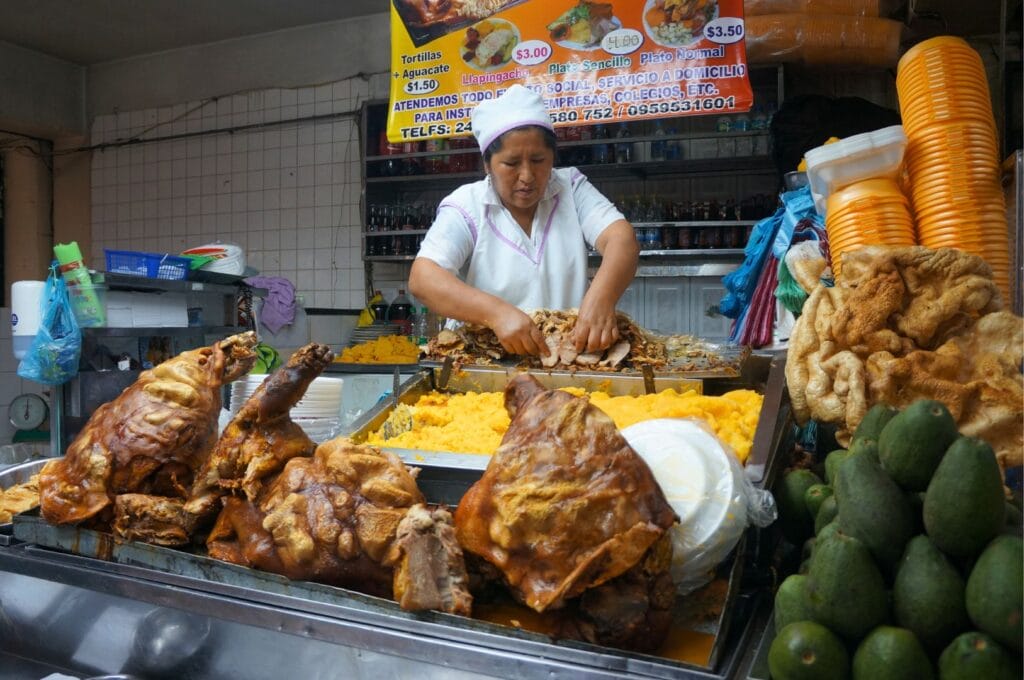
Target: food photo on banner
(593,62)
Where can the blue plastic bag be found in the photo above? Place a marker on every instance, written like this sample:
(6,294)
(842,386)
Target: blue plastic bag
(53,357)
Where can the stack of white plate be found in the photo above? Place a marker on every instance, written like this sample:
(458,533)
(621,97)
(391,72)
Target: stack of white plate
(230,259)
(318,413)
(368,333)
(705,486)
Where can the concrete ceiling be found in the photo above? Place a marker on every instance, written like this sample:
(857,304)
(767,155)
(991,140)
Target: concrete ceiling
(92,31)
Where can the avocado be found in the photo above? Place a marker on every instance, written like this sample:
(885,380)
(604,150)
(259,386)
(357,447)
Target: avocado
(874,421)
(872,508)
(845,590)
(815,496)
(832,462)
(995,591)
(928,595)
(807,551)
(976,656)
(964,507)
(806,650)
(791,602)
(912,444)
(915,499)
(828,511)
(796,522)
(890,653)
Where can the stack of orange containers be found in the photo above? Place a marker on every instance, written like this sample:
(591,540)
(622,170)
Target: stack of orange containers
(952,158)
(870,212)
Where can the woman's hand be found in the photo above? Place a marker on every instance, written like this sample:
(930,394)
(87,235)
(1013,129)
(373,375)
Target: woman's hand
(596,326)
(517,333)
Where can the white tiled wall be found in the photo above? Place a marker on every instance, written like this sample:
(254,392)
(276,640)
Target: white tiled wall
(287,193)
(10,384)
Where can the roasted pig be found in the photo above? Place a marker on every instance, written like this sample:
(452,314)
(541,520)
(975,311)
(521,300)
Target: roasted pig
(350,516)
(573,519)
(261,437)
(150,440)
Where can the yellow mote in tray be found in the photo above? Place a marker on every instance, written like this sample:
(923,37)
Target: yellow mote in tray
(475,422)
(387,349)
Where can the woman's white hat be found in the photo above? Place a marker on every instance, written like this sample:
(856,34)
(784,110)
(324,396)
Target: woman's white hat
(516,107)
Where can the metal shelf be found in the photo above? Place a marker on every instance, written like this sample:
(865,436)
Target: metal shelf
(696,223)
(179,331)
(679,137)
(389,258)
(395,232)
(144,283)
(692,252)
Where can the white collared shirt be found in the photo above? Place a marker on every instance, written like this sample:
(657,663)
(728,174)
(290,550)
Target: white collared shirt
(476,238)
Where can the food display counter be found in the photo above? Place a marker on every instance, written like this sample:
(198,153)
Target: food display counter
(76,600)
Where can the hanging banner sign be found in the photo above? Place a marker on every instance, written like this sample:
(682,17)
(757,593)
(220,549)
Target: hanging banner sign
(593,62)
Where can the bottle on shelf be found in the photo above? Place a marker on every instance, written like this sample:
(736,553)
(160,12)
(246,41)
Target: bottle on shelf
(759,121)
(673,147)
(623,150)
(741,123)
(601,153)
(658,145)
(421,331)
(379,308)
(400,312)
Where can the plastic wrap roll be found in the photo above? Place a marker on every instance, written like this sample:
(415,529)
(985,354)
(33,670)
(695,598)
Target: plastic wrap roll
(857,8)
(823,40)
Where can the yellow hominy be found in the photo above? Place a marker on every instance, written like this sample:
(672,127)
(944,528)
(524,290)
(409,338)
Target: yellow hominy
(475,422)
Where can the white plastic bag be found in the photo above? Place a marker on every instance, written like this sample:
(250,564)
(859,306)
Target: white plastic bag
(704,483)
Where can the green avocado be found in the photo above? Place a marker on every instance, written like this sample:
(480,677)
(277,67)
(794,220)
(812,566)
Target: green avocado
(995,591)
(890,653)
(912,444)
(964,507)
(815,496)
(791,602)
(832,462)
(806,650)
(872,508)
(976,656)
(796,522)
(845,589)
(928,595)
(828,511)
(874,421)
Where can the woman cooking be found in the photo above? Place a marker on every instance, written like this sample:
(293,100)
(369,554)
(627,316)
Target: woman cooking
(517,240)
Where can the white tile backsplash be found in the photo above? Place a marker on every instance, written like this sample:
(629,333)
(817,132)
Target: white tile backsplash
(288,193)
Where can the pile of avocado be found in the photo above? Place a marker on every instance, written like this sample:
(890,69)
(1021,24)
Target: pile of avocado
(913,564)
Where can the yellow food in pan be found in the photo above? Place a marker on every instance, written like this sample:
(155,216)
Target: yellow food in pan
(387,349)
(475,422)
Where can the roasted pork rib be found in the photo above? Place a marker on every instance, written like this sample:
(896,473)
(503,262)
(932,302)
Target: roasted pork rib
(573,518)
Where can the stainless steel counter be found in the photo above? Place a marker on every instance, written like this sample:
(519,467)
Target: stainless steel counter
(93,617)
(86,616)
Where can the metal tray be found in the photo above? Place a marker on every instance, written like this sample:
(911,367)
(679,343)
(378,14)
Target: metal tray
(349,367)
(730,365)
(170,566)
(17,474)
(761,373)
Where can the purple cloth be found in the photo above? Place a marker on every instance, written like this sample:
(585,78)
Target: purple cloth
(279,307)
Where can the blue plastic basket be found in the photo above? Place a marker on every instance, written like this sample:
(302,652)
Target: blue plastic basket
(152,265)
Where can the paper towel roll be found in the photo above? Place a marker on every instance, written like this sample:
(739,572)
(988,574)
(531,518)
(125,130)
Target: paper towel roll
(26,313)
(26,307)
